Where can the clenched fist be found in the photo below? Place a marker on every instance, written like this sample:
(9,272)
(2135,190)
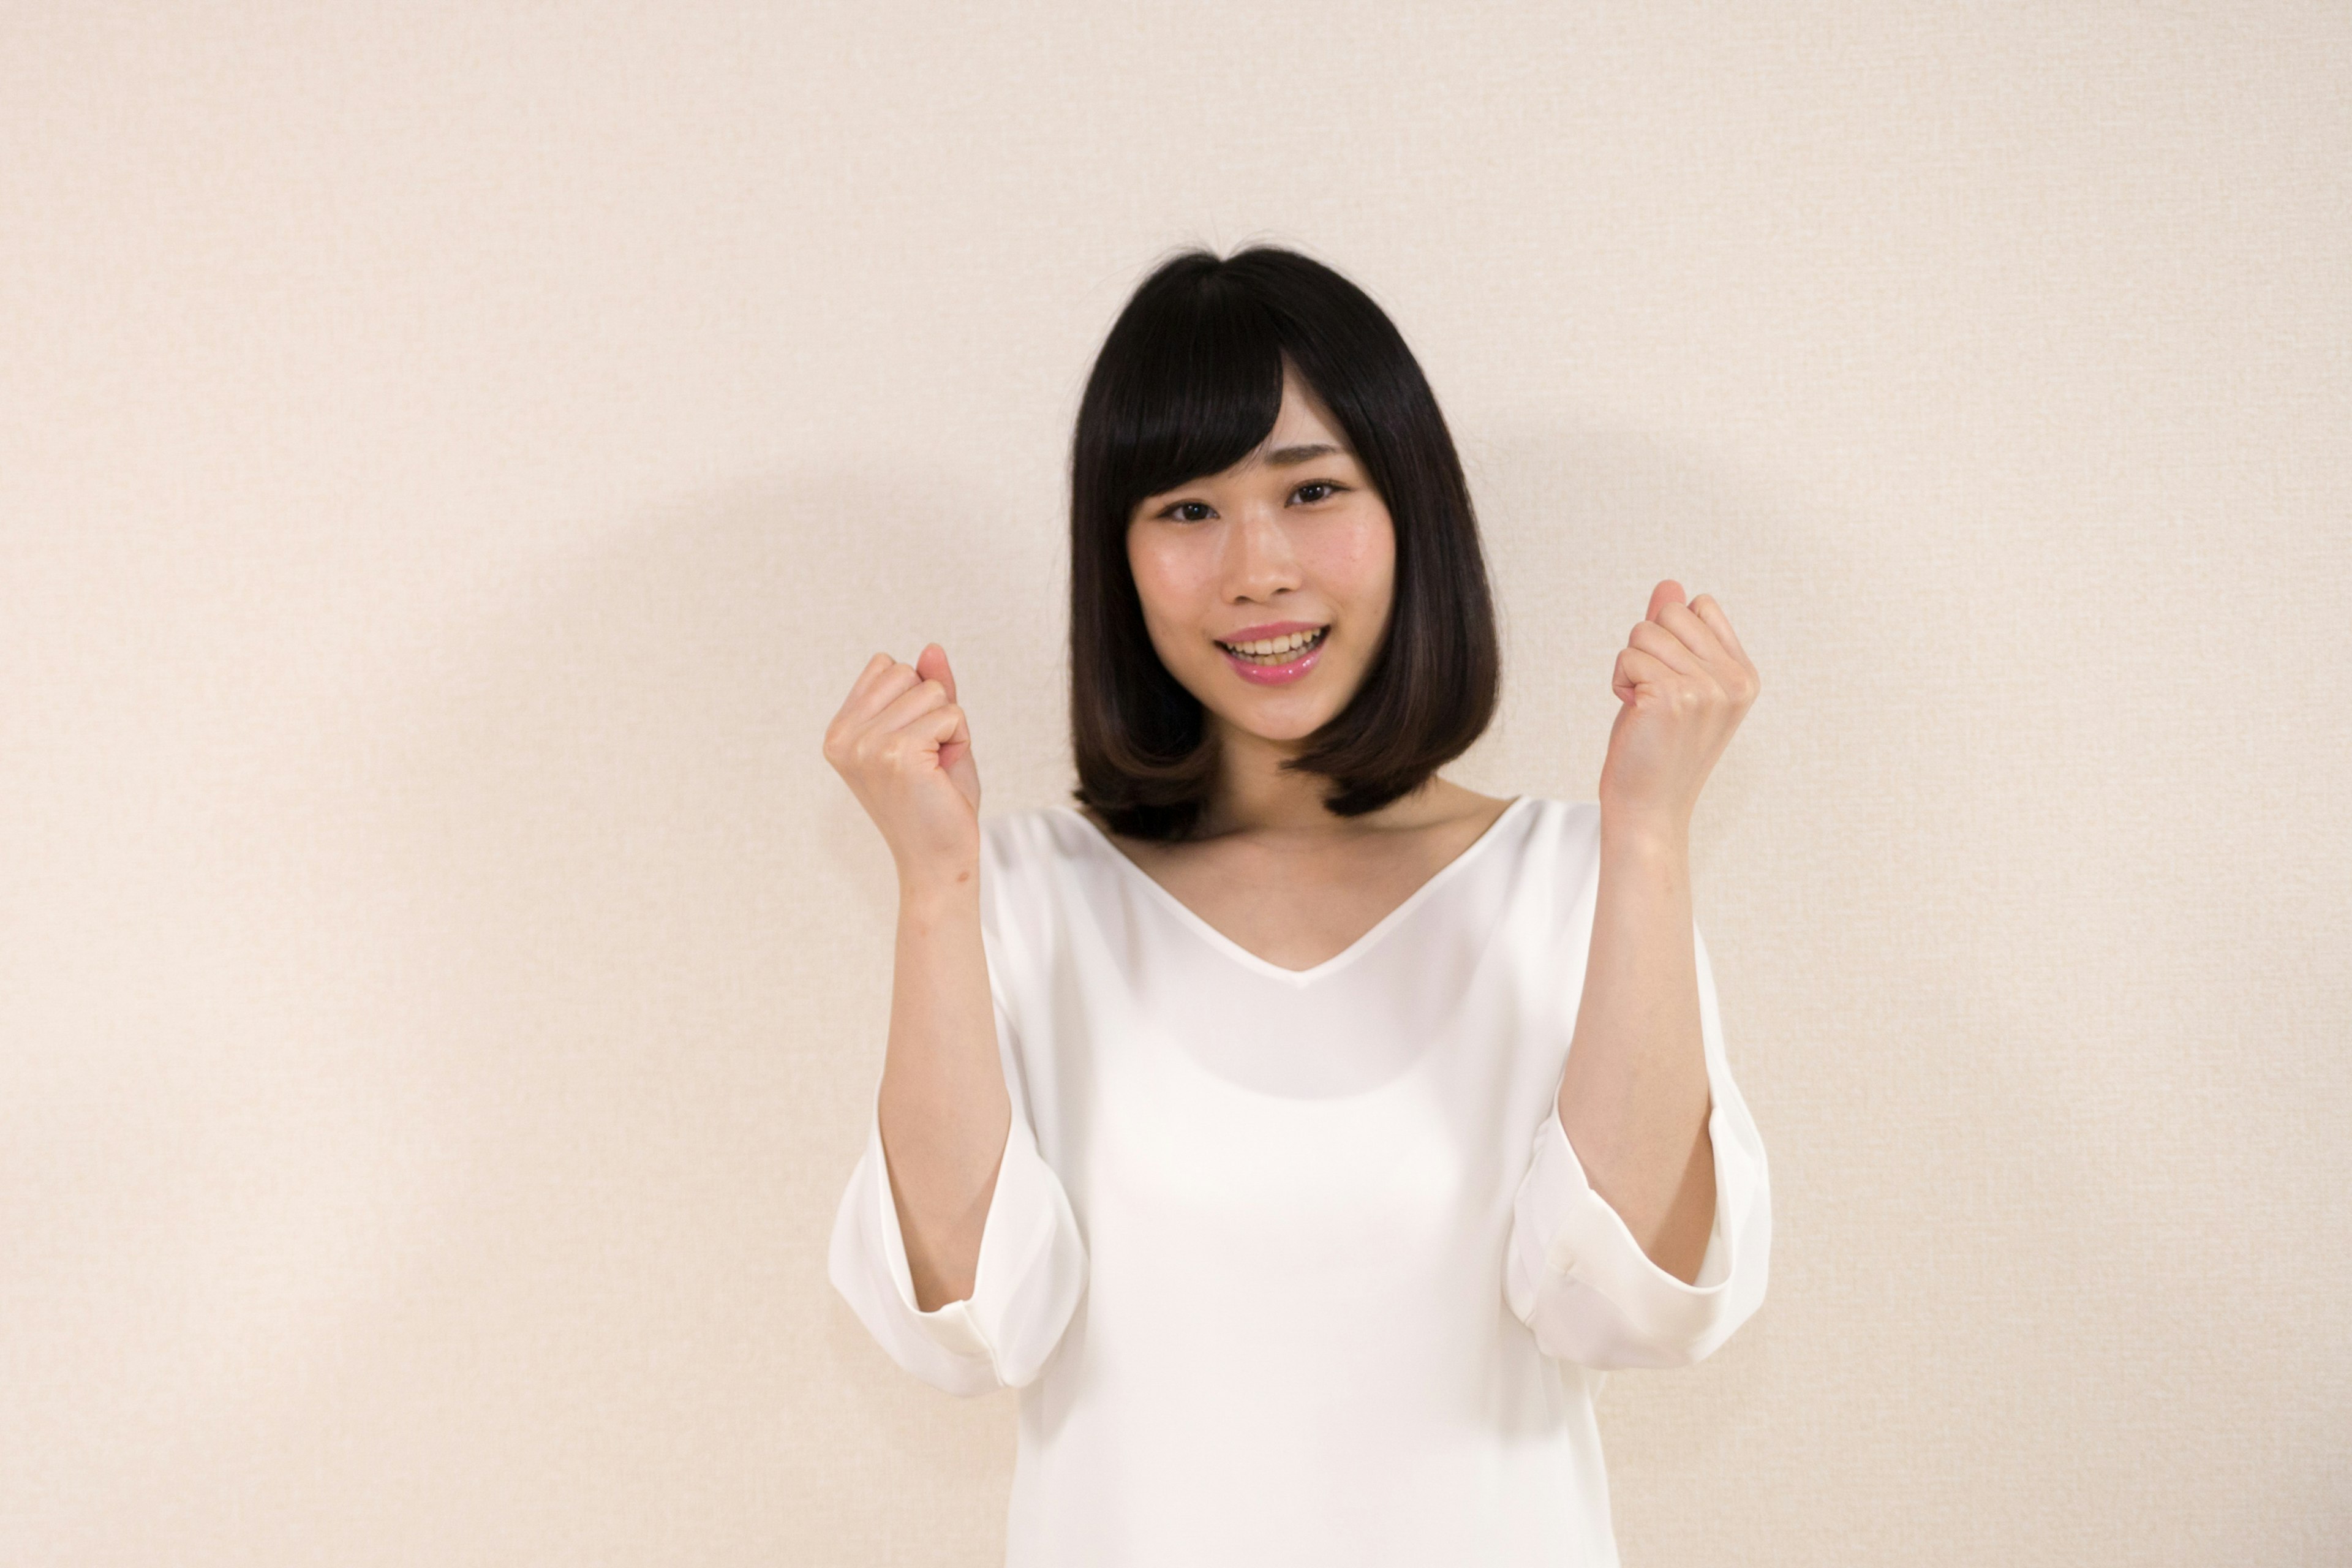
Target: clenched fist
(901,744)
(1684,684)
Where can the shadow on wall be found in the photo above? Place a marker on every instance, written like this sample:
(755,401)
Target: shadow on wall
(649,940)
(1580,526)
(1944,859)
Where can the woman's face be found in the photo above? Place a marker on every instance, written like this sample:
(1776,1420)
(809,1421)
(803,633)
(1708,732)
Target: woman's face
(1290,546)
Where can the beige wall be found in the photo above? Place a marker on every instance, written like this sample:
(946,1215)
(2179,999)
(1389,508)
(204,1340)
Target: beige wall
(453,462)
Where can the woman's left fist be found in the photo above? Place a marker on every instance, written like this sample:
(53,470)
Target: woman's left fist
(1685,683)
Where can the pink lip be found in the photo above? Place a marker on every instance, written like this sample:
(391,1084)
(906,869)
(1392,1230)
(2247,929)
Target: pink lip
(1270,629)
(1277,674)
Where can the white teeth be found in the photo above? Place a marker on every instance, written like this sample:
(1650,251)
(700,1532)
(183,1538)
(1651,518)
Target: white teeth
(1268,647)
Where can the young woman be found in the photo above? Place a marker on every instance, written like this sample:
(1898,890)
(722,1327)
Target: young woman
(1303,1134)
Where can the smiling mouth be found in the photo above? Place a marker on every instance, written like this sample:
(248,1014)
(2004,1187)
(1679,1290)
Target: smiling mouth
(1273,651)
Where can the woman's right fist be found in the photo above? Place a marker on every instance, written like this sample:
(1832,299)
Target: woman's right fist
(901,744)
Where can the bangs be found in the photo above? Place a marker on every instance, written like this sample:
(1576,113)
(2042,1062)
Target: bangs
(1194,390)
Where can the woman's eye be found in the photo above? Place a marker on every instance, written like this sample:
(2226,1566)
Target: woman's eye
(1312,490)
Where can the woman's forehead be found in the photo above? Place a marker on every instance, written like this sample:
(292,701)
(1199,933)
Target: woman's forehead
(1302,417)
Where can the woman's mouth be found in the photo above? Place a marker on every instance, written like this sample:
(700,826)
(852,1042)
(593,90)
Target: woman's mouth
(1273,660)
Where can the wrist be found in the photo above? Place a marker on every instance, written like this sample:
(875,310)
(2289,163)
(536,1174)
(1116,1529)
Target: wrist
(935,889)
(1653,830)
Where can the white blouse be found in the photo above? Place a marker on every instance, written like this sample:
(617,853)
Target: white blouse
(1297,1267)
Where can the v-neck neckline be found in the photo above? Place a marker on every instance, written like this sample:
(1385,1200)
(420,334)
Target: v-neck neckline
(1185,914)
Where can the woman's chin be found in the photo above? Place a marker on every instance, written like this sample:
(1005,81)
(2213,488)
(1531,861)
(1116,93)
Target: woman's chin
(1275,722)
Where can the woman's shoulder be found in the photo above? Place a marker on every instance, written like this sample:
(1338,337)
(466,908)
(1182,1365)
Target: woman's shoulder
(1562,816)
(1027,891)
(1022,848)
(1033,833)
(1568,828)
(1560,855)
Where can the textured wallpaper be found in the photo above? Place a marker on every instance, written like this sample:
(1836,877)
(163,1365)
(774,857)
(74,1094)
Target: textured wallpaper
(454,460)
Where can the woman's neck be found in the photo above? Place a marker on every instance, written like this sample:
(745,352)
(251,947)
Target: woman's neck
(1255,793)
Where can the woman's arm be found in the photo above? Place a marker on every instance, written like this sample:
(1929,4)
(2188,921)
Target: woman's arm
(1590,1290)
(1634,1098)
(903,746)
(944,1110)
(955,1243)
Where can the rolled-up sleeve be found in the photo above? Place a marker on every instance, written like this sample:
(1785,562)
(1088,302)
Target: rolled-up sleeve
(1032,1269)
(1575,1274)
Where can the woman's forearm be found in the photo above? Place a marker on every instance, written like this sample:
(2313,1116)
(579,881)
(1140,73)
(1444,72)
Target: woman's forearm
(1635,1098)
(943,1107)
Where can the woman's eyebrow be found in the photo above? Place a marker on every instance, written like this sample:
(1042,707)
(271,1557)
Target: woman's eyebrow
(1288,457)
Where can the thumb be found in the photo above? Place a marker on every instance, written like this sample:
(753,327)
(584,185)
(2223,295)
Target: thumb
(931,664)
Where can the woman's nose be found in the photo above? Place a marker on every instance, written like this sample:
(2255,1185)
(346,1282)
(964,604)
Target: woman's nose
(1259,559)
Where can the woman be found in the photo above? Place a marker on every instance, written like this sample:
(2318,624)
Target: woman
(1303,1134)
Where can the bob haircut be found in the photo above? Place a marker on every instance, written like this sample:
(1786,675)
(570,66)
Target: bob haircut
(1188,384)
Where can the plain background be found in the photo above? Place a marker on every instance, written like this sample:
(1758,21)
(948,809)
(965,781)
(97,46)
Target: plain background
(455,459)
